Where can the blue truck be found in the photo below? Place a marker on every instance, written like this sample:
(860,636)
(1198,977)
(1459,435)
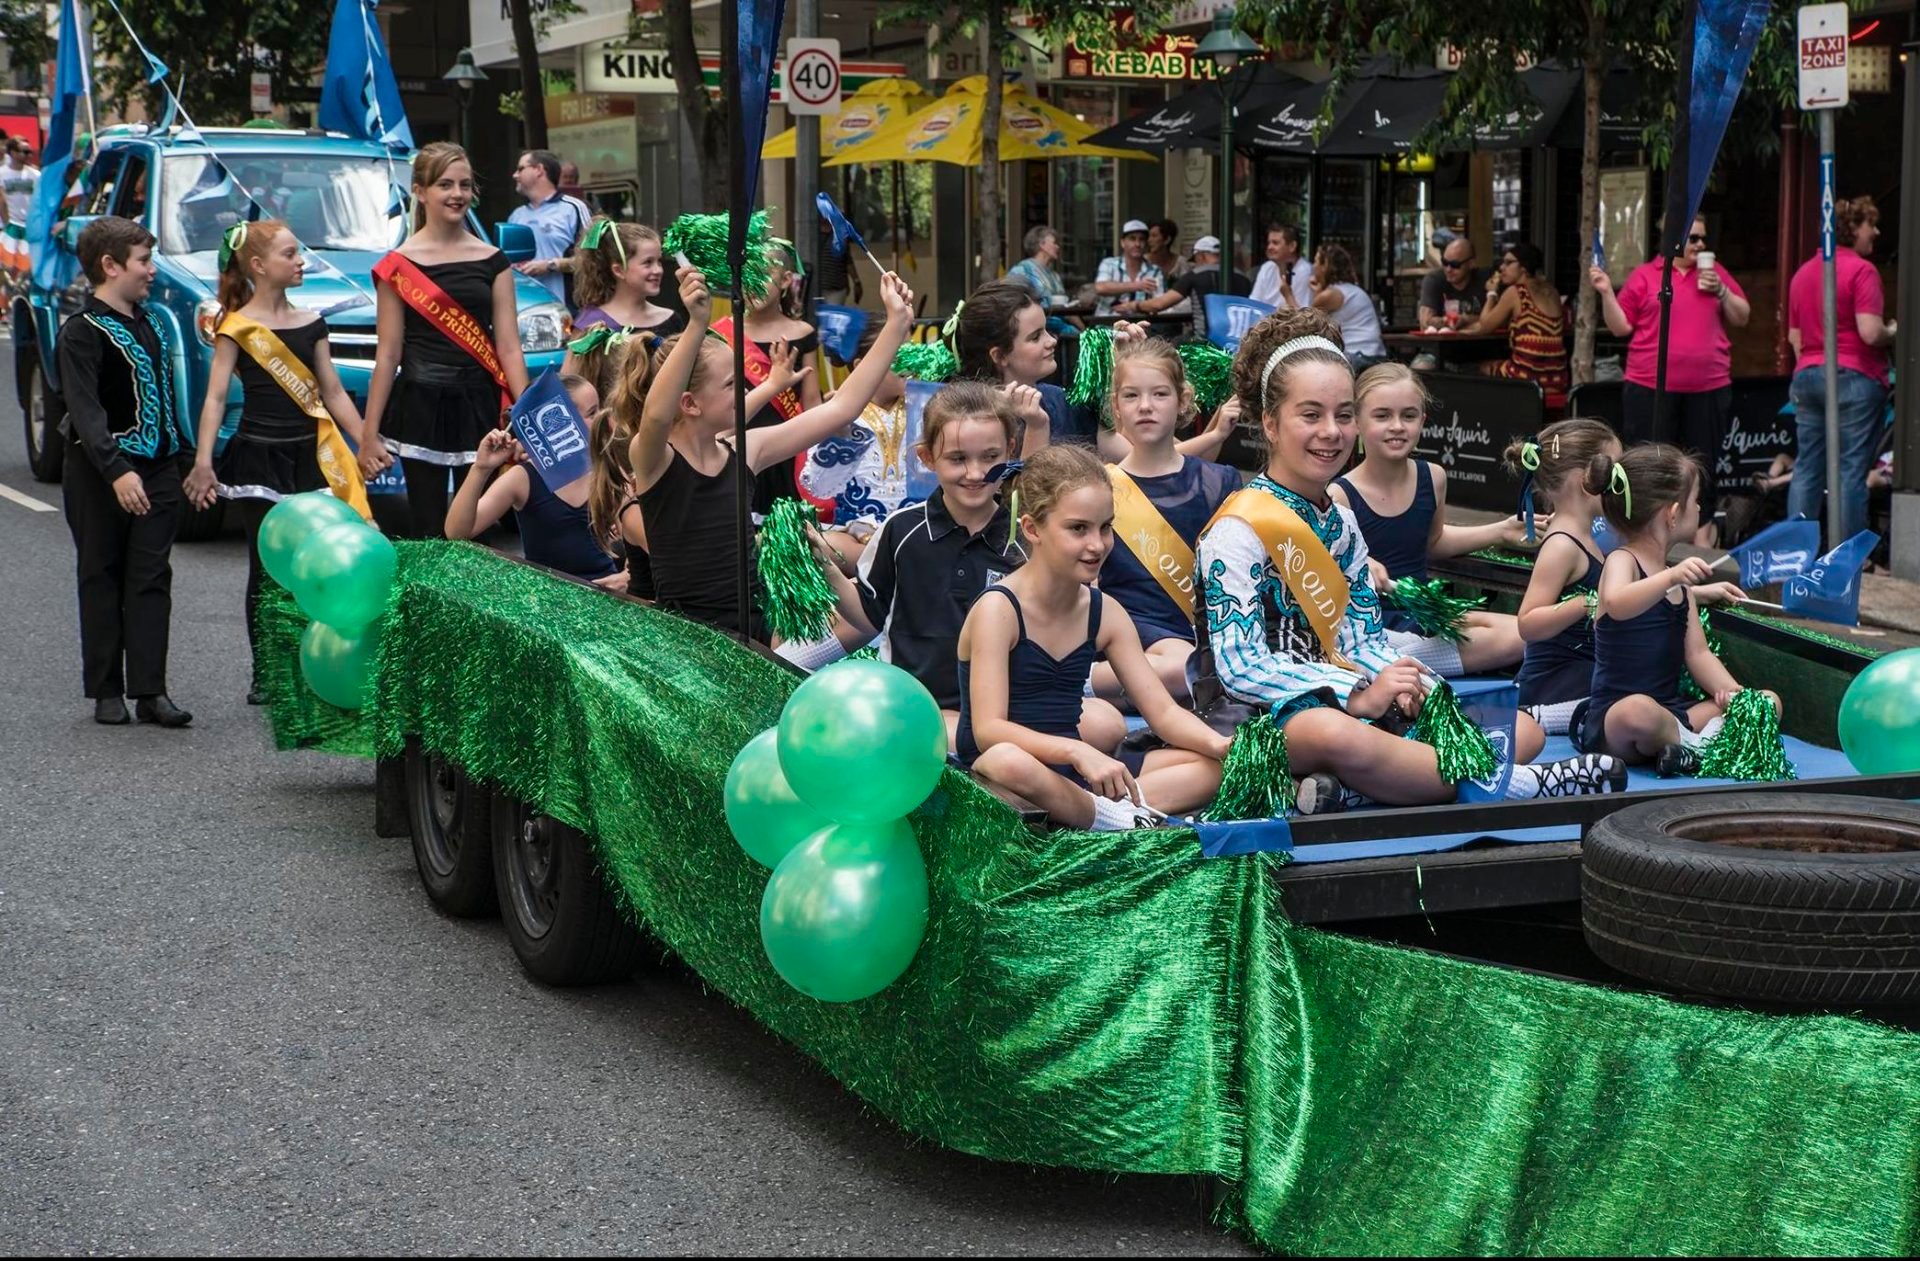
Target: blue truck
(335,192)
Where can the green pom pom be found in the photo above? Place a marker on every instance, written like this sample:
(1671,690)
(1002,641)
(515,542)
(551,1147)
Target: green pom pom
(1093,374)
(1432,609)
(1748,744)
(926,361)
(1209,372)
(799,601)
(703,239)
(1256,781)
(1461,747)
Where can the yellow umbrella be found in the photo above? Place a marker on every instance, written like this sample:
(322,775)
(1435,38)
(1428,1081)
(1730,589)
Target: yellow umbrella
(949,130)
(865,111)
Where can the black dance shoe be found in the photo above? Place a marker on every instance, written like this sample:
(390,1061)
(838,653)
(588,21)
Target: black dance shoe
(161,710)
(110,711)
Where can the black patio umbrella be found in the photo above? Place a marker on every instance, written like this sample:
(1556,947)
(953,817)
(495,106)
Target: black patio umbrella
(1387,105)
(1620,132)
(1191,120)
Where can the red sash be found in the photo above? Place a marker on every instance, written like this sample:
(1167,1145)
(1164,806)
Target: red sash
(787,403)
(418,291)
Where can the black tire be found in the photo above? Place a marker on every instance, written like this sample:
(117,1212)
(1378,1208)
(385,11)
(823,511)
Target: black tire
(41,411)
(1798,898)
(559,914)
(447,814)
(197,525)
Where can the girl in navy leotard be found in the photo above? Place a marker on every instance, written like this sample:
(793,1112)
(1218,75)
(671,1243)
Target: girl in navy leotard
(1648,629)
(1556,614)
(1400,503)
(1025,652)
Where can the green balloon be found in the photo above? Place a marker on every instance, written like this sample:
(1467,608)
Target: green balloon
(1880,716)
(291,522)
(765,816)
(862,742)
(343,575)
(846,910)
(338,665)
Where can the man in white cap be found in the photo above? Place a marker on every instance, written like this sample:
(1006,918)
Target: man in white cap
(1199,280)
(1129,276)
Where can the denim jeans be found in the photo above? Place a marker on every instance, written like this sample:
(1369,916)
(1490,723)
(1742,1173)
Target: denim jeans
(1863,406)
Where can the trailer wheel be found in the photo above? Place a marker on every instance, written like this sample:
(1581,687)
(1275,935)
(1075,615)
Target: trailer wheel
(559,914)
(42,410)
(447,815)
(1798,898)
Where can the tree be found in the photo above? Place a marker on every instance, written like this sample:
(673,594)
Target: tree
(1595,35)
(26,33)
(204,44)
(526,47)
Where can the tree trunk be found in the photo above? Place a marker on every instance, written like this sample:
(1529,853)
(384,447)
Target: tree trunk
(533,95)
(1593,72)
(704,119)
(990,173)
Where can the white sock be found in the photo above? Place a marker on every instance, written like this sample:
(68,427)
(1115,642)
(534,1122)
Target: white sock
(811,654)
(1555,719)
(1437,655)
(1693,739)
(1114,816)
(1711,727)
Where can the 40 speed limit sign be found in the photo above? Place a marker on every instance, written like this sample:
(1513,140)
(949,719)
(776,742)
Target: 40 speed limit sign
(810,80)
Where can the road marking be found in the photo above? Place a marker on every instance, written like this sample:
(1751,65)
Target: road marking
(25,501)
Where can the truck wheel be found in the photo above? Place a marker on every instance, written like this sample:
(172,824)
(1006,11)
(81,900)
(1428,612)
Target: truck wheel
(43,411)
(447,814)
(559,914)
(1796,898)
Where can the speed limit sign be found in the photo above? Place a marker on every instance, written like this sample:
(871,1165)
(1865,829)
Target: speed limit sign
(811,79)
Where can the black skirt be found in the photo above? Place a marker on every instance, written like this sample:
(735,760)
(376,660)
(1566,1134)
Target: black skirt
(282,466)
(440,415)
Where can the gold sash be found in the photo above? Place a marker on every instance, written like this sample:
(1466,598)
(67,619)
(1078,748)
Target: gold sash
(336,458)
(1155,544)
(1305,564)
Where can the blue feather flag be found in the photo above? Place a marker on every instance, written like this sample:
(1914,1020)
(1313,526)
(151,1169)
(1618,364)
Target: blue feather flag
(360,96)
(1717,43)
(54,266)
(844,233)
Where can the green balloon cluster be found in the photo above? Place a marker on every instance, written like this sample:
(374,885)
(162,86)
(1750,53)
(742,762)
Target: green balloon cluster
(340,571)
(822,799)
(1880,716)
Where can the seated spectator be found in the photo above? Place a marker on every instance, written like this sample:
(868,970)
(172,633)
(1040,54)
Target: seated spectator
(1453,293)
(1286,278)
(1162,236)
(1337,292)
(1201,279)
(1529,308)
(1127,275)
(1036,270)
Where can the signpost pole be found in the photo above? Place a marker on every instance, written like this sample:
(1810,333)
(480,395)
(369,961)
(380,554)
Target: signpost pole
(806,166)
(1829,327)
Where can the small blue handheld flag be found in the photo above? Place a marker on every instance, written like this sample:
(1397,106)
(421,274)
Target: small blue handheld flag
(1599,251)
(553,432)
(843,231)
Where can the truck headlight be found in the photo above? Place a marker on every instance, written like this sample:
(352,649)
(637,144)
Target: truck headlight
(543,327)
(206,318)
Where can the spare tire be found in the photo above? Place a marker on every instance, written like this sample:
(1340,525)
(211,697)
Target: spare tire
(1795,898)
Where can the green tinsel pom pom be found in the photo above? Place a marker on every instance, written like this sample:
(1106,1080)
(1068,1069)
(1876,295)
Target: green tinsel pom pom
(1748,744)
(926,361)
(1093,374)
(800,604)
(1432,609)
(703,239)
(870,653)
(1461,747)
(1209,372)
(1256,781)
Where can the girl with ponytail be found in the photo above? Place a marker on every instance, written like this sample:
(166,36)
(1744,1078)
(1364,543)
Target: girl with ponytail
(617,275)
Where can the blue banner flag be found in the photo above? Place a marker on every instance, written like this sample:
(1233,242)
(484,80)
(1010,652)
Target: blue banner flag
(921,480)
(1785,549)
(54,266)
(553,432)
(840,329)
(1717,47)
(1494,707)
(360,96)
(1229,318)
(1830,588)
(759,34)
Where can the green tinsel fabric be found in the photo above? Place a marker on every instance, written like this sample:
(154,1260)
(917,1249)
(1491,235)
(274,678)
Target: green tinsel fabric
(799,603)
(1209,372)
(926,361)
(1092,384)
(1432,609)
(1115,1002)
(703,239)
(1748,744)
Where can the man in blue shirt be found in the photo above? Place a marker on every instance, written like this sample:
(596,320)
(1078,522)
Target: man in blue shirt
(556,219)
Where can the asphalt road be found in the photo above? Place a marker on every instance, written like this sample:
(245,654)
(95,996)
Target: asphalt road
(231,1023)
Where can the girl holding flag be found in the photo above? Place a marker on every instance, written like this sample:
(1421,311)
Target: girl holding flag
(294,409)
(448,324)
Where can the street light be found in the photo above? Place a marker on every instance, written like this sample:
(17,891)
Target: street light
(1225,46)
(463,77)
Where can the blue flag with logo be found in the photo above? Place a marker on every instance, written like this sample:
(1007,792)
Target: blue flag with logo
(54,266)
(1785,549)
(553,432)
(1494,707)
(840,329)
(360,96)
(1830,588)
(1229,318)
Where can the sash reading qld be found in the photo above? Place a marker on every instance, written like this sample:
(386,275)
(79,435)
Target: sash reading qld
(1306,566)
(336,458)
(1155,544)
(434,305)
(759,365)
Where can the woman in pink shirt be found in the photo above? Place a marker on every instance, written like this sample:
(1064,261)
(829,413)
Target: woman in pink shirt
(1861,335)
(1707,301)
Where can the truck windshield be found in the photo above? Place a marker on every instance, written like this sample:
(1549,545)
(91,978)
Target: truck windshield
(331,203)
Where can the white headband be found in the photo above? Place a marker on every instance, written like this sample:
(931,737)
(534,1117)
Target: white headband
(1311,342)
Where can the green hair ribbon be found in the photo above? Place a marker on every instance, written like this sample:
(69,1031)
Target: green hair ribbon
(598,338)
(230,242)
(597,232)
(952,325)
(1617,483)
(791,251)
(1530,456)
